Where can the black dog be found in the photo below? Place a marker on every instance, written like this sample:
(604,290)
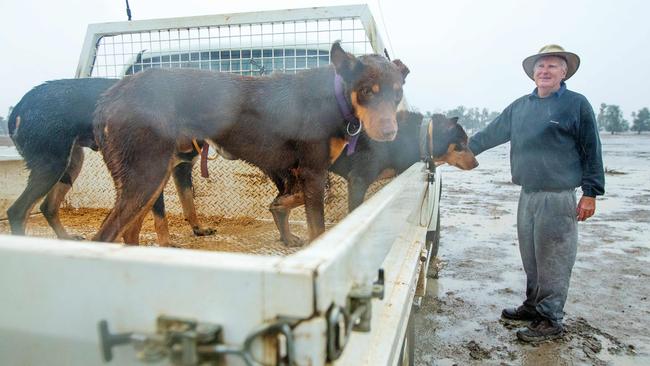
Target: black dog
(447,143)
(288,125)
(49,127)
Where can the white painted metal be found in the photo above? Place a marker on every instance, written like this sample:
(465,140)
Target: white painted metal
(390,316)
(309,337)
(353,250)
(54,293)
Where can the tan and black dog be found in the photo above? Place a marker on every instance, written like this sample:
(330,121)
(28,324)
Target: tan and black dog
(288,125)
(445,141)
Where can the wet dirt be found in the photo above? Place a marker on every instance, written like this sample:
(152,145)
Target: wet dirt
(480,272)
(235,235)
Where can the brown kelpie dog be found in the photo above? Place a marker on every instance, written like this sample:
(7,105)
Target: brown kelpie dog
(291,126)
(49,127)
(443,140)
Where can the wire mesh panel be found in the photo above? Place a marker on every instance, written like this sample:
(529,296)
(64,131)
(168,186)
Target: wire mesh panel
(234,189)
(247,49)
(246,44)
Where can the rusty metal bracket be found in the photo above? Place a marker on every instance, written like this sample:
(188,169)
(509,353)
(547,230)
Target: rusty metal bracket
(187,342)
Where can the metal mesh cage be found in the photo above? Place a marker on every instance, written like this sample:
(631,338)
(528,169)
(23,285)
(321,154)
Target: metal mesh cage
(247,49)
(247,44)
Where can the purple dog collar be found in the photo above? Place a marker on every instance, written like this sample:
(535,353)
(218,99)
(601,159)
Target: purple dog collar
(352,144)
(348,116)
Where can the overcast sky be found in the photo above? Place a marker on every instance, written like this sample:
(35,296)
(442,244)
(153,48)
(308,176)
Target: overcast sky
(460,52)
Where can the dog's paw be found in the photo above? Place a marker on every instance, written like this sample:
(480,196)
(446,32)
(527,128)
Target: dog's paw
(203,231)
(293,241)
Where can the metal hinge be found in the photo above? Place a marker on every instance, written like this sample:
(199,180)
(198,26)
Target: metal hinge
(187,342)
(355,316)
(426,210)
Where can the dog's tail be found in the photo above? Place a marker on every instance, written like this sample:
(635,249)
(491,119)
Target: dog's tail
(14,119)
(13,125)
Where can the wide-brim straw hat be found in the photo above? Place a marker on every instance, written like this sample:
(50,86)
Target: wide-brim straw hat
(572,60)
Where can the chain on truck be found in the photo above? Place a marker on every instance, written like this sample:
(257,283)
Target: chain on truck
(345,299)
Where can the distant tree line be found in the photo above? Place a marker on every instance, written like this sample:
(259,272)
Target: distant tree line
(610,119)
(472,119)
(4,130)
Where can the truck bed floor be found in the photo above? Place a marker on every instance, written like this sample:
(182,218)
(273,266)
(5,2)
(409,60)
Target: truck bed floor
(237,235)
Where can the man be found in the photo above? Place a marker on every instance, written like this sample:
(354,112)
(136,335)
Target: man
(554,148)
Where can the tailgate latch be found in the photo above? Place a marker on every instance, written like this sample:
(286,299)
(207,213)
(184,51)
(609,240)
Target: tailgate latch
(176,338)
(187,342)
(355,316)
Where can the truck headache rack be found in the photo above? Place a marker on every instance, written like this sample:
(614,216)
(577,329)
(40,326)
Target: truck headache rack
(245,43)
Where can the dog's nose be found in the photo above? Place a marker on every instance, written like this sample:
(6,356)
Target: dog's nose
(389,134)
(473,164)
(389,128)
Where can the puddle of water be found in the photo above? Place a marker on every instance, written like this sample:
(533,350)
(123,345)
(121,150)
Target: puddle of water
(460,330)
(445,362)
(545,354)
(625,360)
(444,285)
(645,259)
(514,279)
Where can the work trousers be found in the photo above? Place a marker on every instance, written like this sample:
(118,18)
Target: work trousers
(547,230)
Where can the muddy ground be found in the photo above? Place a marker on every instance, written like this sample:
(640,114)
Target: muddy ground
(607,312)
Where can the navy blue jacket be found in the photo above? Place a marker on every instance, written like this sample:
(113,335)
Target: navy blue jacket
(554,142)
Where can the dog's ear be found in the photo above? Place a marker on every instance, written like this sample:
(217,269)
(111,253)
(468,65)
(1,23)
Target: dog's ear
(345,63)
(454,120)
(402,68)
